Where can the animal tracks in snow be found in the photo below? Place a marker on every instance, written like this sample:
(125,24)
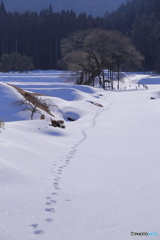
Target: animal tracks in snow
(37,231)
(49,220)
(57,170)
(34,225)
(50,210)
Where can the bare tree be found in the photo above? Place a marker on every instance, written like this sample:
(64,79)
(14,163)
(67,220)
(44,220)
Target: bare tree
(88,53)
(33,104)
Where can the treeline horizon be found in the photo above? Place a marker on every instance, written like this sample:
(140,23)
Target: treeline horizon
(140,21)
(38,35)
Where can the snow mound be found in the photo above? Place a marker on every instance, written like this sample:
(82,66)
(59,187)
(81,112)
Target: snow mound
(7,96)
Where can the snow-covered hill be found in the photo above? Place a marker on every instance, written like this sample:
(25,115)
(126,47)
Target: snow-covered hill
(96,179)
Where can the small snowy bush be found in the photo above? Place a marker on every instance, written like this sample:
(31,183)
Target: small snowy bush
(1,125)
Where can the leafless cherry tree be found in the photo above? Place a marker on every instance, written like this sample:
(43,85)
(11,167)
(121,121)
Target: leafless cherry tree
(90,52)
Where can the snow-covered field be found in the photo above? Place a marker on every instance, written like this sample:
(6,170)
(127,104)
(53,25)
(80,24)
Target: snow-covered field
(97,179)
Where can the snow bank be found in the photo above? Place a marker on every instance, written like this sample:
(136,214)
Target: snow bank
(96,179)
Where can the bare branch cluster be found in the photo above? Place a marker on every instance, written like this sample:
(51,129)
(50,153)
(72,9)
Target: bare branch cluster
(33,104)
(90,52)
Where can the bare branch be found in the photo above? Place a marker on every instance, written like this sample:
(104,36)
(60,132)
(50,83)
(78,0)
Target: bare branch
(90,52)
(33,104)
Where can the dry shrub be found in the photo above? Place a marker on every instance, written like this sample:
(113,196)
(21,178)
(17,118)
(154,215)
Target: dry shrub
(57,123)
(43,104)
(32,100)
(33,104)
(1,125)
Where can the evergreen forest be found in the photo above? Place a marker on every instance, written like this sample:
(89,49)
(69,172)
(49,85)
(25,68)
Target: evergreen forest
(39,35)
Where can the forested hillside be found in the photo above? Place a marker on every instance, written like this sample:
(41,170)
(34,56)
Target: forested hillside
(140,20)
(93,7)
(38,35)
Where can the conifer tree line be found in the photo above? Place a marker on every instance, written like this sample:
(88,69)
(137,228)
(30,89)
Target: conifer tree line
(39,35)
(140,20)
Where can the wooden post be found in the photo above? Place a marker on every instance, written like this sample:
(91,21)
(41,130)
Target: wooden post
(118,75)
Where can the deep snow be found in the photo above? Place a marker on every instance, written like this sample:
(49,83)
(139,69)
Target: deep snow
(98,178)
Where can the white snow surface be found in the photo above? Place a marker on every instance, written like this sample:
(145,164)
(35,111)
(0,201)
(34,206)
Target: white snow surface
(97,179)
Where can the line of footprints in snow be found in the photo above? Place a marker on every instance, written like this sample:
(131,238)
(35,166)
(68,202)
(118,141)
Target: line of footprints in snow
(51,200)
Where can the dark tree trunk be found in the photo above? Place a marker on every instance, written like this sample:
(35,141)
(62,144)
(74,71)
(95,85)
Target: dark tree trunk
(92,77)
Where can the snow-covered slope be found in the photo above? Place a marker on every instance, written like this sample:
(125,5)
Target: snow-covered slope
(96,179)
